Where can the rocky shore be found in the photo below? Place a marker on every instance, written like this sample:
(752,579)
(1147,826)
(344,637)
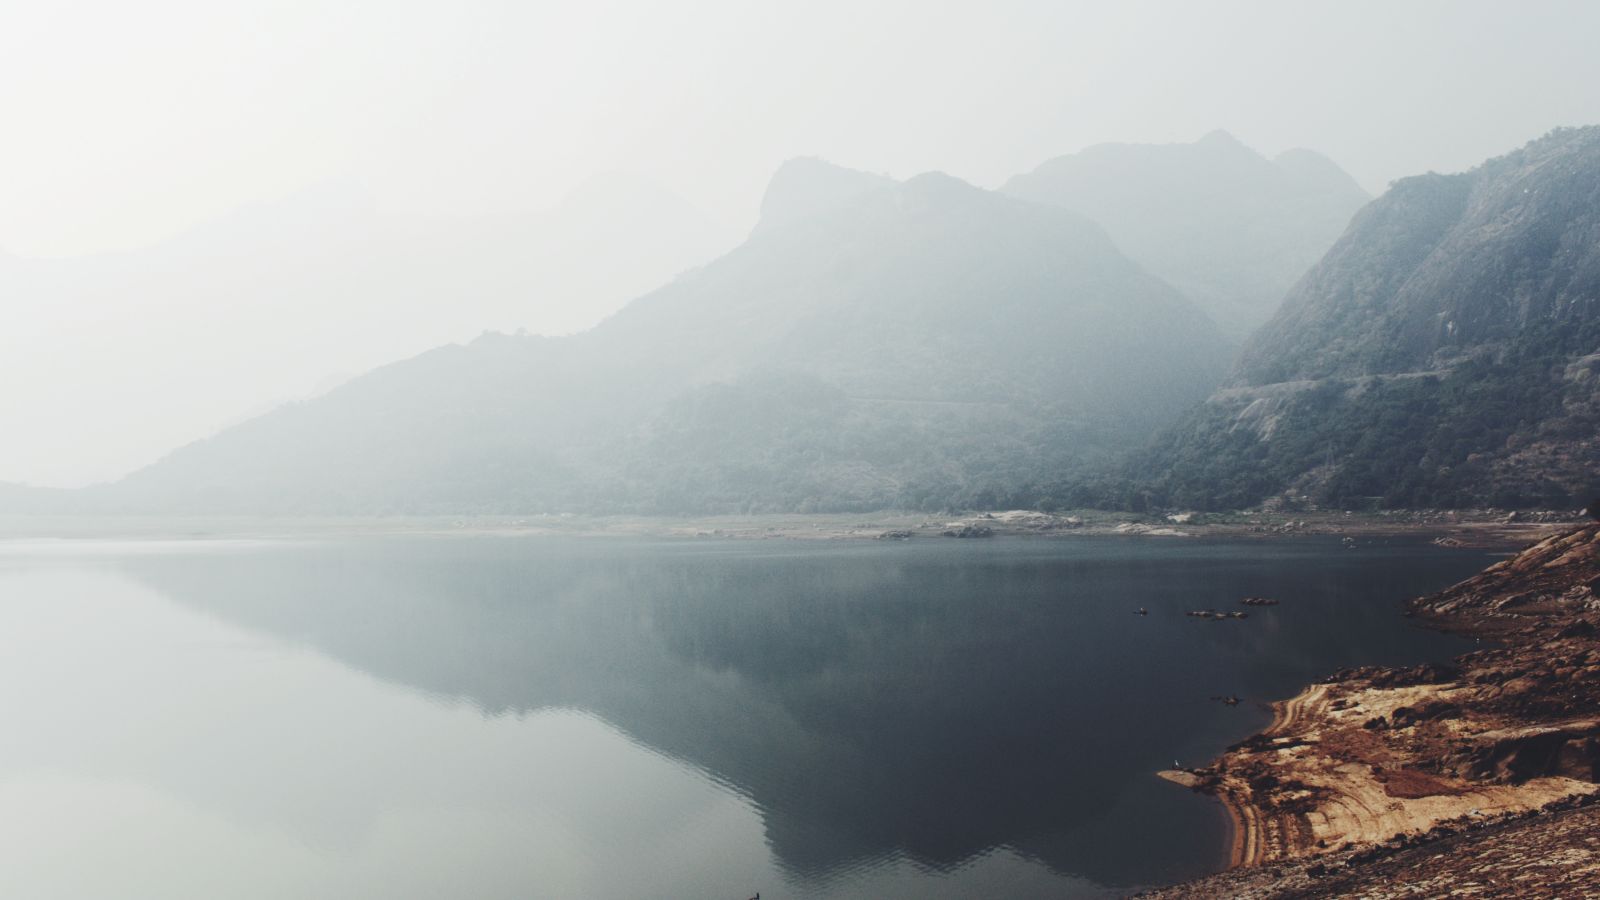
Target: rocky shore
(1478,776)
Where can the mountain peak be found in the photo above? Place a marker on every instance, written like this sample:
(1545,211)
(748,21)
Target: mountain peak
(784,374)
(940,185)
(1215,218)
(1221,138)
(808,185)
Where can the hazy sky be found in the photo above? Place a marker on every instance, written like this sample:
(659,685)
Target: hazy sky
(127,123)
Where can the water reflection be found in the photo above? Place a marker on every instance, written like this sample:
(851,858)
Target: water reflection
(151,752)
(990,712)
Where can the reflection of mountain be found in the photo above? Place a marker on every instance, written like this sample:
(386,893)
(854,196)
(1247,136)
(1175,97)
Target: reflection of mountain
(931,700)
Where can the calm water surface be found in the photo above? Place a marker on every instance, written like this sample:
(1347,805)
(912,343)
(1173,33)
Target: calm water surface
(531,718)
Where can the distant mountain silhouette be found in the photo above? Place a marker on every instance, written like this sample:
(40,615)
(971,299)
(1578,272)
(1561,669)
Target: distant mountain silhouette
(808,186)
(1226,226)
(264,305)
(924,343)
(1446,351)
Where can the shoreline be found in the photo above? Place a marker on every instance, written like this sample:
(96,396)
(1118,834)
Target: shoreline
(1481,528)
(1371,762)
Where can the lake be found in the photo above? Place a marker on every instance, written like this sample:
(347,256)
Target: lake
(504,717)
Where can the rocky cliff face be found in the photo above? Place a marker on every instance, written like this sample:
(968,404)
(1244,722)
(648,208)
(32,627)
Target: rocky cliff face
(1444,352)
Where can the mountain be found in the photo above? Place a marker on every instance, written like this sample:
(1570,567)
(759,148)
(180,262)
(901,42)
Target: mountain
(230,299)
(918,344)
(1446,351)
(806,186)
(1228,227)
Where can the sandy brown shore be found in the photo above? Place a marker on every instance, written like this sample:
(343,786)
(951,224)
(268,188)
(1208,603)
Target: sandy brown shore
(1374,762)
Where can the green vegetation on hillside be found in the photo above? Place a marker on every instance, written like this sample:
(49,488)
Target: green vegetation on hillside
(1517,431)
(1443,353)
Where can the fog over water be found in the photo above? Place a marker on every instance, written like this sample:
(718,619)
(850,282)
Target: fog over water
(208,210)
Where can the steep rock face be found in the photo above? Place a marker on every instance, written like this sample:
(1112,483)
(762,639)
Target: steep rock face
(918,343)
(1444,352)
(1225,225)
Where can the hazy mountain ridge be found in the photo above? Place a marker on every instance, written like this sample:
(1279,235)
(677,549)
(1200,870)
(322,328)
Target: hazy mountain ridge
(1477,259)
(1444,352)
(928,344)
(921,343)
(808,186)
(1228,227)
(271,301)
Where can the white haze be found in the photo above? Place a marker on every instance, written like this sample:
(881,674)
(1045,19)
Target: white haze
(207,209)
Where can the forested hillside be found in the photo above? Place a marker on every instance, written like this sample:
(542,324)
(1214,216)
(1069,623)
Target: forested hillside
(1444,352)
